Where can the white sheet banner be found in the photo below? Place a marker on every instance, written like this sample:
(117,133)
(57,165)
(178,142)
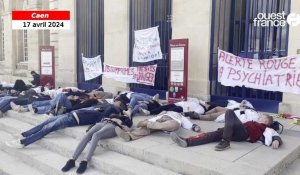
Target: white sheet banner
(277,74)
(92,67)
(141,74)
(146,45)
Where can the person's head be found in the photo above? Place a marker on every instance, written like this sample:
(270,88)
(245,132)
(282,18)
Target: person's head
(265,119)
(33,73)
(119,104)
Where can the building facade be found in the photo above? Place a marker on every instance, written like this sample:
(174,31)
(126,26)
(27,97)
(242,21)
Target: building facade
(106,27)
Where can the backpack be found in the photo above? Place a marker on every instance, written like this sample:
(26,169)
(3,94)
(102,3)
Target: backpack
(278,127)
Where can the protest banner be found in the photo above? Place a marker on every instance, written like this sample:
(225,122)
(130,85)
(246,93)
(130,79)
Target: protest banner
(146,45)
(92,67)
(141,74)
(277,74)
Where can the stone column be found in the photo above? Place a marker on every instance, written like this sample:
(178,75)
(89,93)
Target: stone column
(290,102)
(64,42)
(192,19)
(116,34)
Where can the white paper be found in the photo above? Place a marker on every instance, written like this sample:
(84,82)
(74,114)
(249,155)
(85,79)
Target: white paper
(46,70)
(92,67)
(177,76)
(46,59)
(177,58)
(146,45)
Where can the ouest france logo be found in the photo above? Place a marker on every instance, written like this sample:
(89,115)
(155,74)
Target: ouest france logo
(276,19)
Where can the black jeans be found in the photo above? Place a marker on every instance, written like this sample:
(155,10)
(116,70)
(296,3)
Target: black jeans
(169,107)
(234,130)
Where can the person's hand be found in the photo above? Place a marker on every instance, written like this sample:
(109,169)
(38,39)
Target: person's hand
(275,144)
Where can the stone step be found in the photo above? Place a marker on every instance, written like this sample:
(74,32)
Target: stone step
(107,161)
(158,149)
(293,169)
(10,165)
(39,158)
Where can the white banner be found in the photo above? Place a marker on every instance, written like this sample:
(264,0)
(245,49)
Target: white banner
(92,67)
(277,74)
(146,45)
(141,74)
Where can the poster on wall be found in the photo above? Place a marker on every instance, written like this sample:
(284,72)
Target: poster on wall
(146,45)
(178,70)
(47,66)
(92,67)
(276,74)
(177,58)
(140,75)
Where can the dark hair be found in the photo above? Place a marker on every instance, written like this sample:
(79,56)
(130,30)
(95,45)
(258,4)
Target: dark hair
(32,72)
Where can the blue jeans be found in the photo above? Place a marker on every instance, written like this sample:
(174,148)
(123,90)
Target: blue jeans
(4,103)
(20,101)
(135,97)
(50,125)
(45,106)
(137,107)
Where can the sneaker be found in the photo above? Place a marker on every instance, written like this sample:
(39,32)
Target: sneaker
(23,109)
(142,123)
(18,136)
(155,97)
(144,112)
(180,141)
(222,145)
(31,109)
(15,144)
(69,165)
(82,167)
(14,106)
(122,134)
(128,113)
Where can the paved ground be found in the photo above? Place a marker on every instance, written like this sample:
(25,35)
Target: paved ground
(157,154)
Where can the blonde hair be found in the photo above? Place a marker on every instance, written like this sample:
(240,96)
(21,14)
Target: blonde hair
(269,117)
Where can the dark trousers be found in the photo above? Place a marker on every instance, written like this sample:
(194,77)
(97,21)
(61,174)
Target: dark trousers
(234,130)
(169,107)
(85,104)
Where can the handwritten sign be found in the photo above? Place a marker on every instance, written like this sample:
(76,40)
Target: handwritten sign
(141,74)
(278,74)
(146,45)
(92,67)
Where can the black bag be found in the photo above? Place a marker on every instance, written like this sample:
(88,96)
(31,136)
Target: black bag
(277,127)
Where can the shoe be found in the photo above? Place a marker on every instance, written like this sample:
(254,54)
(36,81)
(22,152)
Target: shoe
(142,123)
(144,112)
(1,114)
(122,134)
(128,113)
(82,167)
(18,136)
(14,106)
(155,97)
(15,144)
(22,109)
(222,145)
(69,165)
(180,141)
(31,109)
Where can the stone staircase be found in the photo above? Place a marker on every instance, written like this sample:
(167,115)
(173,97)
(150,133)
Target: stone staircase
(155,154)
